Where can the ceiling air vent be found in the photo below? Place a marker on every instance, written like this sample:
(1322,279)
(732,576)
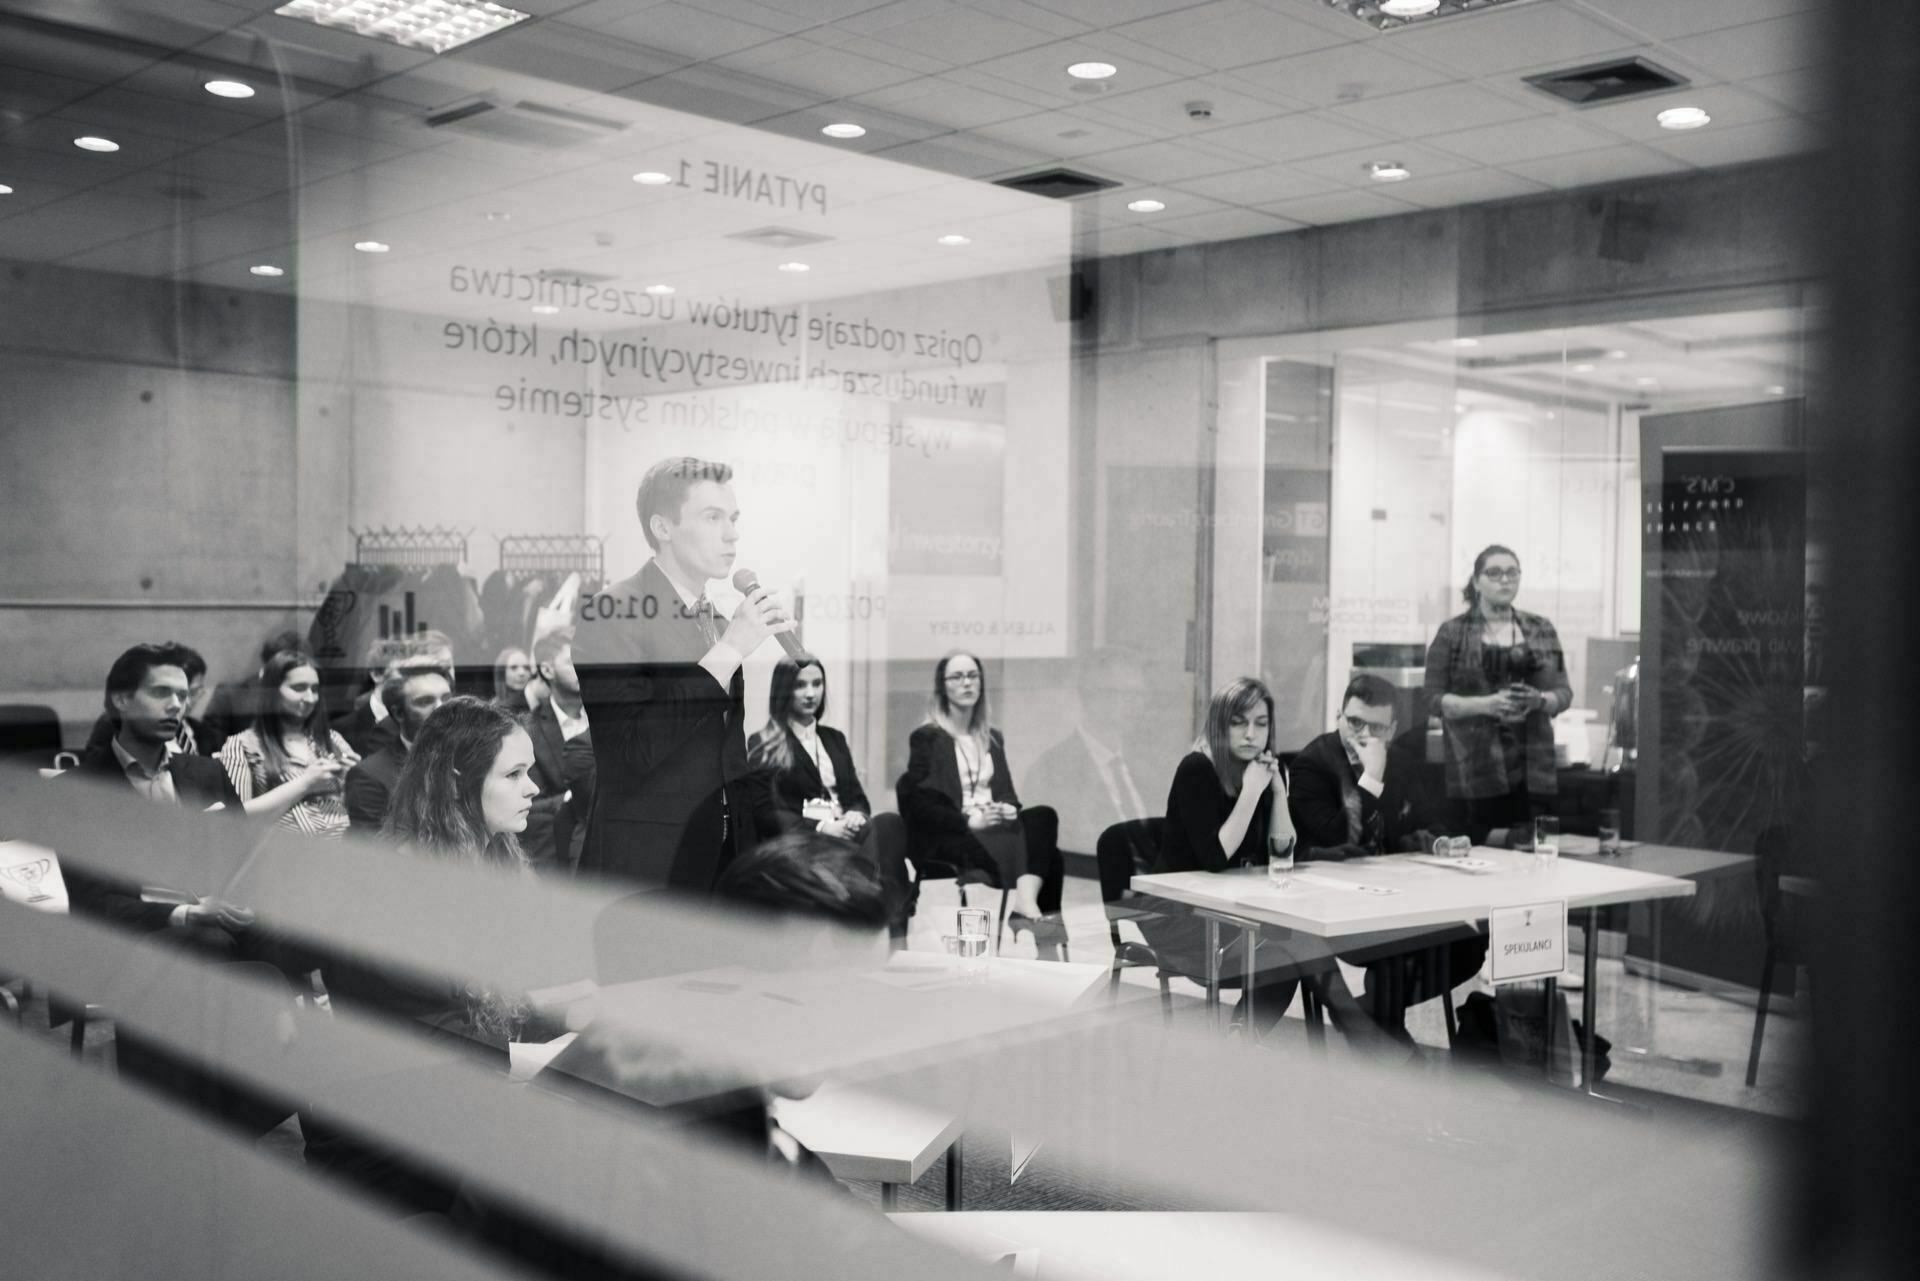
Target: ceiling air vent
(778,237)
(1060,184)
(1390,15)
(526,124)
(1607,81)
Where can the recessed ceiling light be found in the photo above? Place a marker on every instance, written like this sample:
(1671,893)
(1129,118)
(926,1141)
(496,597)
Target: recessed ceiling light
(954,239)
(652,178)
(1146,206)
(5,190)
(229,88)
(1466,342)
(1408,8)
(658,291)
(499,215)
(545,309)
(91,143)
(1616,354)
(437,25)
(1092,70)
(795,267)
(1388,171)
(1683,118)
(1459,408)
(1776,390)
(267,269)
(371,246)
(844,130)
(1646,382)
(1583,369)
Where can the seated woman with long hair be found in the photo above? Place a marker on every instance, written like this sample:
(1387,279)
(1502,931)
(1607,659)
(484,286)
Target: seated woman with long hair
(288,765)
(805,779)
(958,799)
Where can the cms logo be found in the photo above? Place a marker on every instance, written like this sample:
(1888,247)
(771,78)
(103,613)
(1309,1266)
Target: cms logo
(1711,485)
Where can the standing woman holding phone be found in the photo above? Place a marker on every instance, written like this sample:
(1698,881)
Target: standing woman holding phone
(1497,677)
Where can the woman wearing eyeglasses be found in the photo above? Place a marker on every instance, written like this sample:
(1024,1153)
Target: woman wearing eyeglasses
(958,799)
(1497,676)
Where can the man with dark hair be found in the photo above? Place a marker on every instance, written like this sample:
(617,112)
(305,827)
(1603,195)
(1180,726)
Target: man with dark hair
(562,759)
(410,692)
(660,678)
(1353,792)
(367,726)
(198,737)
(147,695)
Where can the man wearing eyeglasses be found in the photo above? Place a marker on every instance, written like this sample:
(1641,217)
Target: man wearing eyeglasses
(1354,793)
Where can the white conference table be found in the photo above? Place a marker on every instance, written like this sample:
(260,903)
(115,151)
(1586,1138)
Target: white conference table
(1354,902)
(1148,1245)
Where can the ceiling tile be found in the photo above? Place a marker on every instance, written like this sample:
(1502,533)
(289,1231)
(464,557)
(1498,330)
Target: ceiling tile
(562,54)
(919,63)
(1108,242)
(1757,48)
(1164,107)
(1043,68)
(1504,39)
(1639,119)
(1166,162)
(1229,224)
(1229,33)
(1474,186)
(1587,168)
(774,17)
(1061,134)
(1665,19)
(1342,74)
(1306,133)
(947,101)
(877,17)
(883,128)
(1260,186)
(830,71)
(1034,15)
(1343,206)
(1521,140)
(1109,13)
(1349,168)
(689,31)
(962,37)
(1713,146)
(1804,91)
(1435,110)
(1110,207)
(822,10)
(966,156)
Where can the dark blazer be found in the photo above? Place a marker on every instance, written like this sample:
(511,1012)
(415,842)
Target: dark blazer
(364,734)
(931,792)
(198,782)
(369,786)
(669,744)
(1318,783)
(207,736)
(783,793)
(554,833)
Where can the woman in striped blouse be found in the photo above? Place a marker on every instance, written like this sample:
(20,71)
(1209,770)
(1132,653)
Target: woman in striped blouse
(288,765)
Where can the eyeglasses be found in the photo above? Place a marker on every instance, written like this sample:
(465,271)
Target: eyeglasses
(1360,728)
(963,678)
(1501,575)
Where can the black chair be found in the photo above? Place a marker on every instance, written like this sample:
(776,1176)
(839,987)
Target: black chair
(927,868)
(31,730)
(1780,921)
(1124,849)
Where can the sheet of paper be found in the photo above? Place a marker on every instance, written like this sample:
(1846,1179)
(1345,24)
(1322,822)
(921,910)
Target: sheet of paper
(1474,866)
(30,874)
(1527,942)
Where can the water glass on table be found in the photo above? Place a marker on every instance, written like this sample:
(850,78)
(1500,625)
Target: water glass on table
(972,951)
(1610,833)
(1280,861)
(1452,846)
(1546,836)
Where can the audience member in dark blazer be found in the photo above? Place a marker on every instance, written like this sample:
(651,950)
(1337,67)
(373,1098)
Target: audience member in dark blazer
(958,799)
(806,781)
(1355,792)
(413,692)
(562,760)
(201,737)
(369,724)
(660,675)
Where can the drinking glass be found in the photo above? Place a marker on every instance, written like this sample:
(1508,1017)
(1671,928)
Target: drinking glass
(973,922)
(1280,861)
(1459,846)
(1546,836)
(1610,832)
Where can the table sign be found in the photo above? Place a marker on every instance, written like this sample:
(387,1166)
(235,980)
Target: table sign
(1528,942)
(30,874)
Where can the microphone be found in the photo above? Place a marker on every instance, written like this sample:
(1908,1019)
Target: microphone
(746,583)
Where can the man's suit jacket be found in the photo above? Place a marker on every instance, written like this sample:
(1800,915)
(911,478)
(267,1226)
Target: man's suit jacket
(1319,779)
(669,744)
(781,802)
(554,833)
(363,733)
(198,782)
(369,786)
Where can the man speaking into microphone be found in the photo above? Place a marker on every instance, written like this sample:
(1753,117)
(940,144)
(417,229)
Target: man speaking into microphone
(660,676)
